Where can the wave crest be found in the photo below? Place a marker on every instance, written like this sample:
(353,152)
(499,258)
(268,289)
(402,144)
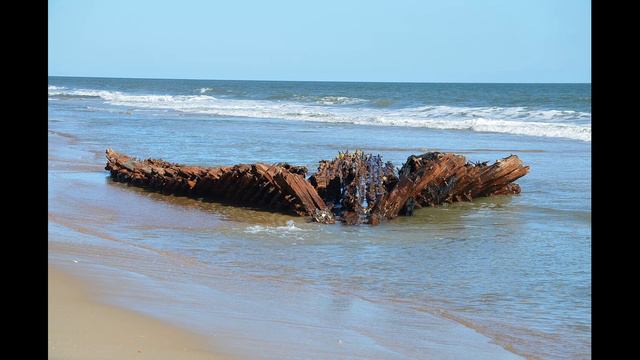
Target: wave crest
(329,100)
(512,120)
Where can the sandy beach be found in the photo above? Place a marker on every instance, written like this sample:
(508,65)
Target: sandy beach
(82,328)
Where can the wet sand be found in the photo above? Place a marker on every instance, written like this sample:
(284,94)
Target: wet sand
(82,328)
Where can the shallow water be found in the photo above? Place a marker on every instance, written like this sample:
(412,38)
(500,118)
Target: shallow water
(515,269)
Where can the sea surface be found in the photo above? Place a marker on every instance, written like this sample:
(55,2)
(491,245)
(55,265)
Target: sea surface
(493,278)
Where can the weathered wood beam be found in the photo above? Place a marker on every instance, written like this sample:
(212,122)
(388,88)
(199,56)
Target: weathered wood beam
(288,191)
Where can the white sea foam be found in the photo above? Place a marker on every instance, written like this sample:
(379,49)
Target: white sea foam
(512,120)
(289,227)
(330,100)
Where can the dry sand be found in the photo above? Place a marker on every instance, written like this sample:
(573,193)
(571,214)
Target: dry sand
(81,328)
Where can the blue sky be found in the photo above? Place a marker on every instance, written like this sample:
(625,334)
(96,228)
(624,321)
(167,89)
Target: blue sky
(342,40)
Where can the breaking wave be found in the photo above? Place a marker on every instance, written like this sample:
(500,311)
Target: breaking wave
(328,100)
(512,120)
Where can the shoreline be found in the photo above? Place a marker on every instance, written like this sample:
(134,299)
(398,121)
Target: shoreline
(106,287)
(80,327)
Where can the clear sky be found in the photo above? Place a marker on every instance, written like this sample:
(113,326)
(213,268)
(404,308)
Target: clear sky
(340,40)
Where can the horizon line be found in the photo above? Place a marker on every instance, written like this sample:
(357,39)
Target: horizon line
(327,81)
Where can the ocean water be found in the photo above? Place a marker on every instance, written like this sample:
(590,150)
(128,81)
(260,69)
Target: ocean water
(515,270)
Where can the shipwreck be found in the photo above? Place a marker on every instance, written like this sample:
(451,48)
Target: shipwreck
(353,188)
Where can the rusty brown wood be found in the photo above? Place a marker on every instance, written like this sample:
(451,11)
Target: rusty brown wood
(289,191)
(353,187)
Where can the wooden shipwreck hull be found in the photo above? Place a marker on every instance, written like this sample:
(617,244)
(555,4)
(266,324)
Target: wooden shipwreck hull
(353,188)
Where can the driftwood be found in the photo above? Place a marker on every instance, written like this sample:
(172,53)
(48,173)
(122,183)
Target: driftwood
(353,188)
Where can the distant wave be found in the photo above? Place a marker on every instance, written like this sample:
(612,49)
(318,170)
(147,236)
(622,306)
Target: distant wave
(329,100)
(120,98)
(512,120)
(319,99)
(220,91)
